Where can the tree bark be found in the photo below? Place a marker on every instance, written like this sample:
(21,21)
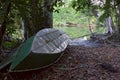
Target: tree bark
(34,15)
(109,25)
(118,18)
(41,17)
(48,14)
(38,17)
(25,35)
(4,23)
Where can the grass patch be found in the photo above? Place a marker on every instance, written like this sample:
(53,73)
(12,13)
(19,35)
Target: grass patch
(74,32)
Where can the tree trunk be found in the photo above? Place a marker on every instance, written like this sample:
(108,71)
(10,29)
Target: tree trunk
(34,15)
(108,24)
(25,35)
(28,29)
(38,17)
(48,14)
(118,18)
(4,23)
(41,17)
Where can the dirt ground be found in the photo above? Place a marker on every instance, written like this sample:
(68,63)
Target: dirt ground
(79,63)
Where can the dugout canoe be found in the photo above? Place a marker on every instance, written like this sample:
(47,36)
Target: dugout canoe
(39,51)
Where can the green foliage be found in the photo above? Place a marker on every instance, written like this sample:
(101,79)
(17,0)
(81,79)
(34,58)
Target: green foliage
(11,45)
(79,5)
(75,32)
(67,14)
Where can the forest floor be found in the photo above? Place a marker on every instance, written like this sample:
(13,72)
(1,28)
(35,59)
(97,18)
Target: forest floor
(79,62)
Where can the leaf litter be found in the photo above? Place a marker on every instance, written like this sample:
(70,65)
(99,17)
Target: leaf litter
(79,62)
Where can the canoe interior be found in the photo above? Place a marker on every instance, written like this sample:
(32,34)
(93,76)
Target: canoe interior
(36,61)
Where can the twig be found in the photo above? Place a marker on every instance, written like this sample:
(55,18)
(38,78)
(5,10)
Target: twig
(4,75)
(71,68)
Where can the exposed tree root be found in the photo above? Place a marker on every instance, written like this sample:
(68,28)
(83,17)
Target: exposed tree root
(113,39)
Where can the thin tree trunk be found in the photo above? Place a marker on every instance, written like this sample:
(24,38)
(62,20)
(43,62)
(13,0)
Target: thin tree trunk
(89,25)
(118,18)
(28,30)
(4,23)
(108,24)
(25,35)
